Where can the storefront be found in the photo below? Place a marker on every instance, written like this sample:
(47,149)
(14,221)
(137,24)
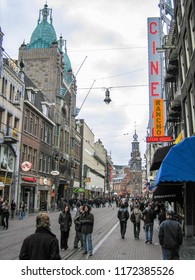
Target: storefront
(28,190)
(7,163)
(178,169)
(44,194)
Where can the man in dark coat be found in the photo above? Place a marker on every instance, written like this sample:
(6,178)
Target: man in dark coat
(170,237)
(123,216)
(41,245)
(87,222)
(149,216)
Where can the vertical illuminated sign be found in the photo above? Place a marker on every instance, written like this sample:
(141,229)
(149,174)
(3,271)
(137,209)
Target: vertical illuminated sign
(158,117)
(154,68)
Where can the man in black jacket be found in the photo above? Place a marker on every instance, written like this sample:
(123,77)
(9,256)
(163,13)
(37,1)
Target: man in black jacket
(149,216)
(123,216)
(170,237)
(41,245)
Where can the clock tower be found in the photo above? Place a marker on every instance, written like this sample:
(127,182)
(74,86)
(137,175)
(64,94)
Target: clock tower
(135,162)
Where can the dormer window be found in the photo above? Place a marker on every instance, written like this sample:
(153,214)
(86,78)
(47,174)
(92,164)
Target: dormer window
(45,108)
(31,96)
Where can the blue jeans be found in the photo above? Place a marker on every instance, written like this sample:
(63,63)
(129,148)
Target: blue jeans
(149,232)
(170,254)
(87,242)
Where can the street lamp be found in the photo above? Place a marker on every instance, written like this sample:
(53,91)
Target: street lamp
(107,99)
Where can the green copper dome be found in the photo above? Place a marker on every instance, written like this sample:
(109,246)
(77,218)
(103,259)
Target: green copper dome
(44,34)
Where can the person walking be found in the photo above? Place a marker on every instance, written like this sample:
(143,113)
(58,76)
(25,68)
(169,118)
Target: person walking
(161,215)
(137,214)
(78,234)
(5,215)
(123,216)
(13,208)
(65,221)
(170,237)
(22,210)
(41,245)
(149,216)
(87,223)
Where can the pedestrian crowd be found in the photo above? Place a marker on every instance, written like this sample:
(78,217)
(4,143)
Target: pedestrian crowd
(170,230)
(43,244)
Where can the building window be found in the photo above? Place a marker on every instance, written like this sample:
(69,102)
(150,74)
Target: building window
(26,119)
(48,164)
(11,92)
(4,87)
(1,119)
(186,51)
(30,150)
(49,136)
(32,121)
(9,122)
(16,123)
(40,162)
(24,153)
(61,139)
(34,161)
(56,135)
(44,163)
(192,31)
(42,130)
(182,67)
(36,127)
(46,134)
(17,96)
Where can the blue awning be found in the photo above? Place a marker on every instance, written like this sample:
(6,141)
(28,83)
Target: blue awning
(179,163)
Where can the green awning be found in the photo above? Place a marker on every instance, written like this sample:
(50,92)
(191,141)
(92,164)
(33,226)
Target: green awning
(78,190)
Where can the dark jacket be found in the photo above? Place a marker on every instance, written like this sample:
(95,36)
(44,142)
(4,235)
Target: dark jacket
(123,214)
(149,215)
(41,245)
(170,234)
(65,221)
(87,222)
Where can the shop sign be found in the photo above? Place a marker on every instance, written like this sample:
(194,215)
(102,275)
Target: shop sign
(152,139)
(55,173)
(26,166)
(158,117)
(29,179)
(45,181)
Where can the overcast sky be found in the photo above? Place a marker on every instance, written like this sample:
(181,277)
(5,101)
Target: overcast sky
(109,39)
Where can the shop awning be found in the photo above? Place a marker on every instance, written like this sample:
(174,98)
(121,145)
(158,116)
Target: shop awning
(78,190)
(158,157)
(169,192)
(179,163)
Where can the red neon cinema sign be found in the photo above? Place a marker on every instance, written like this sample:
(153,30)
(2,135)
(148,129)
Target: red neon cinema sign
(154,65)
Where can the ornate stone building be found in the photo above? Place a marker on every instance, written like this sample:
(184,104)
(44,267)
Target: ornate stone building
(48,66)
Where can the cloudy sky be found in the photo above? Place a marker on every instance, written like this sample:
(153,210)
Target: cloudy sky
(107,41)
